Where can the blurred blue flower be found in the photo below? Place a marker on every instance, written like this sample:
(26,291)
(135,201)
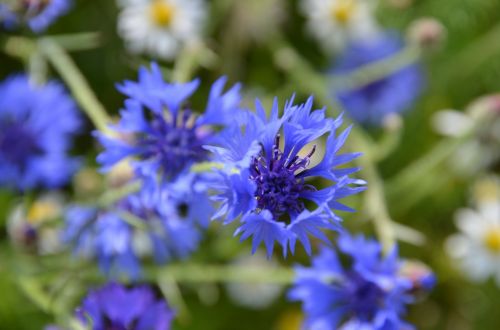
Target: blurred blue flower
(37,14)
(365,292)
(394,93)
(7,17)
(266,176)
(164,223)
(160,131)
(113,306)
(37,124)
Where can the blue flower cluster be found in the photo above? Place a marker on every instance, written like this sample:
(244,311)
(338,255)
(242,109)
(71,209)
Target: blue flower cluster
(394,93)
(162,223)
(355,289)
(37,14)
(279,174)
(37,124)
(266,177)
(115,307)
(159,130)
(161,137)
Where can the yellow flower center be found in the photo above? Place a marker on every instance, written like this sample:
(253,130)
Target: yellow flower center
(161,12)
(492,240)
(42,210)
(343,11)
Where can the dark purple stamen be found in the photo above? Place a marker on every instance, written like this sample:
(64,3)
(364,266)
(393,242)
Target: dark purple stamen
(278,186)
(363,297)
(175,142)
(17,145)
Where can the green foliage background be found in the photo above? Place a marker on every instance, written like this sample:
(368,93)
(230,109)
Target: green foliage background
(465,67)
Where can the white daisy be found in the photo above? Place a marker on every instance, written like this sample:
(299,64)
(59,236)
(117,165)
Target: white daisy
(335,22)
(160,27)
(477,247)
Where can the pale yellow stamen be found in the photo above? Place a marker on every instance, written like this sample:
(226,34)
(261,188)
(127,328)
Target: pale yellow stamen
(492,240)
(161,12)
(43,210)
(342,12)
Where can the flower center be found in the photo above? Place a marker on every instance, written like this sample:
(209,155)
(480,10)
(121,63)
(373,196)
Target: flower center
(161,12)
(492,240)
(17,145)
(174,143)
(343,11)
(42,210)
(364,297)
(278,187)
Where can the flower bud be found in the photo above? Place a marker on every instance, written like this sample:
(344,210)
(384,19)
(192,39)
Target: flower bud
(421,276)
(488,105)
(427,33)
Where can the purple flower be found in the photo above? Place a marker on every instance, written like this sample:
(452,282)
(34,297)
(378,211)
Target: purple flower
(394,93)
(163,222)
(37,124)
(113,306)
(364,292)
(266,176)
(162,134)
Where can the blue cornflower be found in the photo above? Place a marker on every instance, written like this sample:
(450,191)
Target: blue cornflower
(266,179)
(37,14)
(162,134)
(113,306)
(37,124)
(164,222)
(365,292)
(394,93)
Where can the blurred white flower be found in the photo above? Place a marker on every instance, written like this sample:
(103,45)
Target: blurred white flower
(477,247)
(31,229)
(482,149)
(254,295)
(160,28)
(335,22)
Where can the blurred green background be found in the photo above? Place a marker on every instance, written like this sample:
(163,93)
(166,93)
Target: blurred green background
(465,67)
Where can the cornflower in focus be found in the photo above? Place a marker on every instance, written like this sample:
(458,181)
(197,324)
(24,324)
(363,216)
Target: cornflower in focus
(266,176)
(113,306)
(163,223)
(161,27)
(159,130)
(37,124)
(335,23)
(354,288)
(36,14)
(477,246)
(374,101)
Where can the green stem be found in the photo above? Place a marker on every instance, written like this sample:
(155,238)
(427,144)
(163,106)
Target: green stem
(190,58)
(37,68)
(196,273)
(115,195)
(76,82)
(78,42)
(375,71)
(388,142)
(376,204)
